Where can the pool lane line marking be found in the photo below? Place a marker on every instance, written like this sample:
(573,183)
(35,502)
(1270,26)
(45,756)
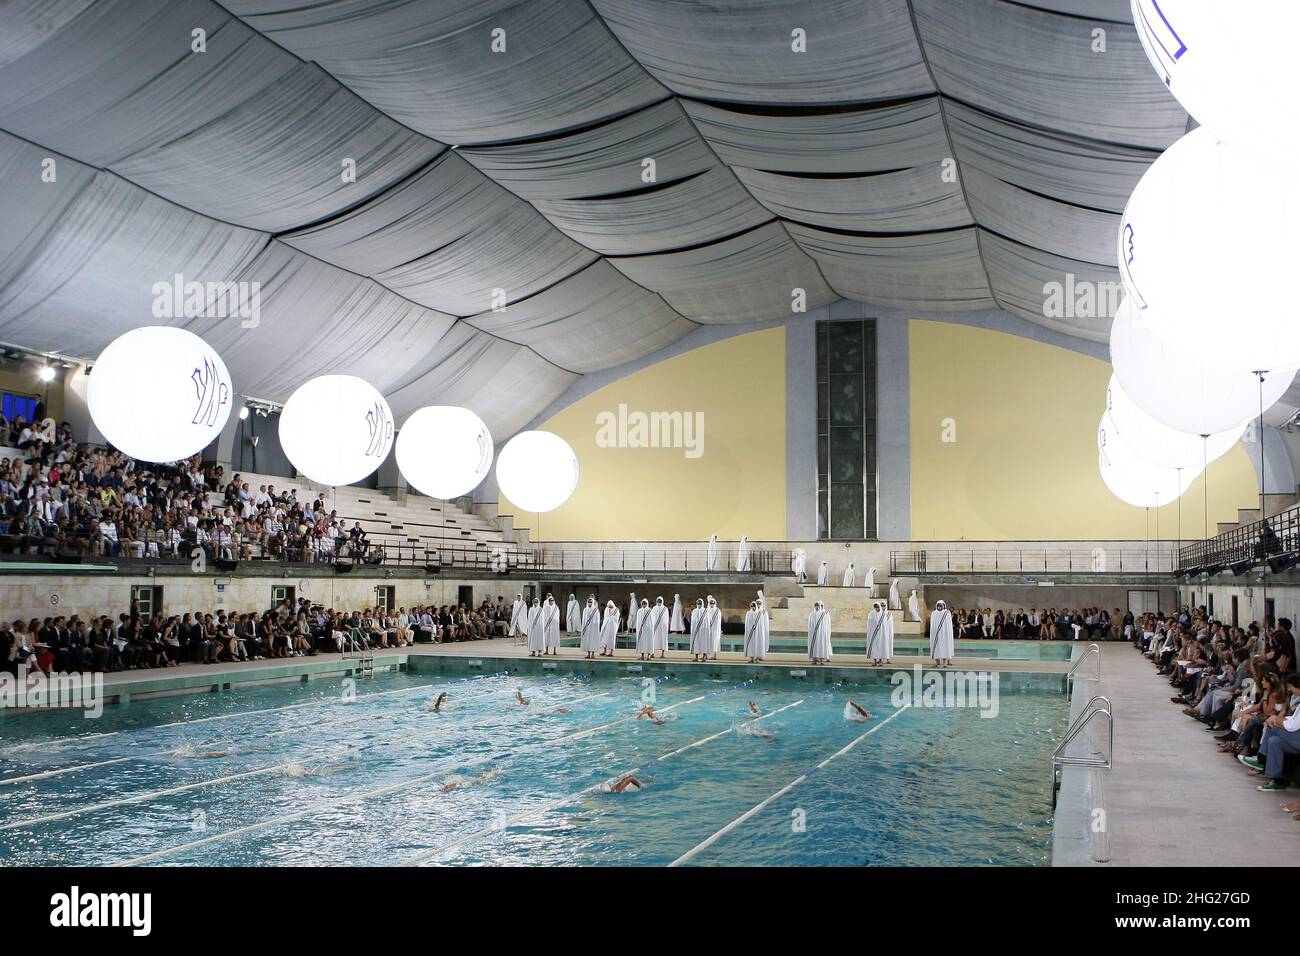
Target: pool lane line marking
(254,713)
(383,791)
(345,751)
(705,844)
(172,751)
(426,855)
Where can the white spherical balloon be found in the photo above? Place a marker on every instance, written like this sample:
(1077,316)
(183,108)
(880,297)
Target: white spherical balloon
(1229,64)
(336,429)
(1206,241)
(538,471)
(1134,480)
(444,451)
(1178,390)
(1158,443)
(159,393)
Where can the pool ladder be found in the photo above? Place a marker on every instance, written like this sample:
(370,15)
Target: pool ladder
(1099,760)
(1092,653)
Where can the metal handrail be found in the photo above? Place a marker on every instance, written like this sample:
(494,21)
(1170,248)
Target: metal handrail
(1101,761)
(1092,651)
(1149,560)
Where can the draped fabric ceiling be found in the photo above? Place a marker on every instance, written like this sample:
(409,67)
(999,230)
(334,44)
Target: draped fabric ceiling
(927,155)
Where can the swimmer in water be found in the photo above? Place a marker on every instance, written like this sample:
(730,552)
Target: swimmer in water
(213,753)
(561,710)
(629,780)
(753,711)
(519,696)
(862,714)
(648,711)
(437,704)
(457,782)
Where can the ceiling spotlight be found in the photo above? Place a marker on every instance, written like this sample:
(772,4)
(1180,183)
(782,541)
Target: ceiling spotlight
(243,413)
(46,373)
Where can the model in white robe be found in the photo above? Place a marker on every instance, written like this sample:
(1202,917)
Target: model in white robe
(519,618)
(644,632)
(700,639)
(880,634)
(631,614)
(819,634)
(659,627)
(573,616)
(869,582)
(742,554)
(914,606)
(609,630)
(711,555)
(942,648)
(591,627)
(799,564)
(762,626)
(849,576)
(822,573)
(536,639)
(751,644)
(551,625)
(895,602)
(713,625)
(676,623)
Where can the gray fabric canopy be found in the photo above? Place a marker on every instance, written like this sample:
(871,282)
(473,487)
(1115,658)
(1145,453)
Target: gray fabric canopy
(477,201)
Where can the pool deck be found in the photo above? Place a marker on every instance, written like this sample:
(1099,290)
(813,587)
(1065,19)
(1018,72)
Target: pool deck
(1170,798)
(123,686)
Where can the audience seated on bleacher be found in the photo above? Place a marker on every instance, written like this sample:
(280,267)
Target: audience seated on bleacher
(56,498)
(132,641)
(1242,684)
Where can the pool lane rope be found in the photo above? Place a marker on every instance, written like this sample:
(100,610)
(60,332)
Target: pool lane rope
(256,713)
(172,751)
(705,844)
(403,785)
(426,855)
(399,737)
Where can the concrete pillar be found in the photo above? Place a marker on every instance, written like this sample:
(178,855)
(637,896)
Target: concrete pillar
(76,412)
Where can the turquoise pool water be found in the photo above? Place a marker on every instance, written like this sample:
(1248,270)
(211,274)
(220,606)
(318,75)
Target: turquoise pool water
(339,772)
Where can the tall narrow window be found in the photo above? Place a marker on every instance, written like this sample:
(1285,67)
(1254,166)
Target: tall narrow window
(846,429)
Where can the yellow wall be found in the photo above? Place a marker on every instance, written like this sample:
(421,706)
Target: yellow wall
(735,487)
(1024,462)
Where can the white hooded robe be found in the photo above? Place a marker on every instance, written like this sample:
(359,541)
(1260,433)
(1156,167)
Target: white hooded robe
(914,606)
(895,602)
(644,632)
(551,624)
(519,617)
(536,639)
(880,634)
(742,554)
(609,627)
(590,627)
(701,642)
(822,574)
(941,642)
(711,555)
(849,576)
(659,626)
(819,633)
(573,616)
(677,624)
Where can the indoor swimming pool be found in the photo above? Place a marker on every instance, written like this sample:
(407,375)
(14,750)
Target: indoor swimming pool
(365,772)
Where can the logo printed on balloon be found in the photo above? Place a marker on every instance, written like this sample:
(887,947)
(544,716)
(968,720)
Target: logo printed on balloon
(380,424)
(1166,50)
(212,393)
(1126,265)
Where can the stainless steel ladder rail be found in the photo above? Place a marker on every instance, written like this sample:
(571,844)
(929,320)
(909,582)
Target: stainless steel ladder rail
(1093,652)
(1100,761)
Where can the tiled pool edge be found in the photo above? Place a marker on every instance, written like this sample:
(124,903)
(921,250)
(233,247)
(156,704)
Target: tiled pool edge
(1073,819)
